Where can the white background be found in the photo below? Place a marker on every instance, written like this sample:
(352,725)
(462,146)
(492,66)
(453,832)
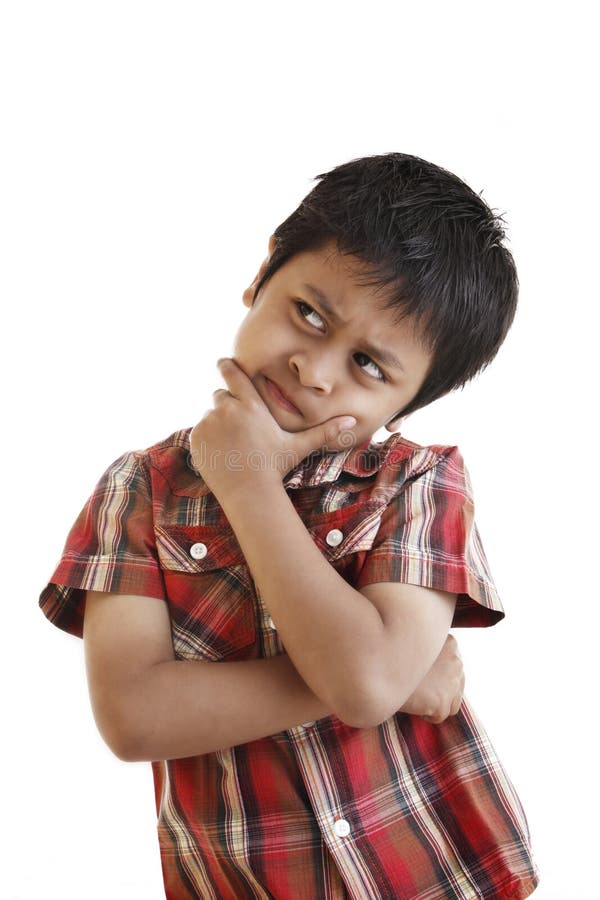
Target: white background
(148,149)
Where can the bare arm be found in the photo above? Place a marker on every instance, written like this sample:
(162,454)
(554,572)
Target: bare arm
(148,705)
(363,652)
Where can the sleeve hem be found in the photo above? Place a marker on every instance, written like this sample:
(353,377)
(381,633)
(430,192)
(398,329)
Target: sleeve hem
(478,603)
(63,599)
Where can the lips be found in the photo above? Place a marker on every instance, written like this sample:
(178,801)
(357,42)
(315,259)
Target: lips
(279,394)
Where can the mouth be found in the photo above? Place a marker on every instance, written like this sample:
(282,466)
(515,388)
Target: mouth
(276,392)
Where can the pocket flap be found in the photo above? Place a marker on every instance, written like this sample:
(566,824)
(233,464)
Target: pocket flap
(338,534)
(197,548)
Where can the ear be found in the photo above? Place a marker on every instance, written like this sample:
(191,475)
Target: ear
(396,423)
(248,295)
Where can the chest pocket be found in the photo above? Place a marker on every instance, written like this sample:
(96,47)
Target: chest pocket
(211,593)
(345,537)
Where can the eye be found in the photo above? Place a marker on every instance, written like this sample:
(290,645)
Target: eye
(305,311)
(301,306)
(378,373)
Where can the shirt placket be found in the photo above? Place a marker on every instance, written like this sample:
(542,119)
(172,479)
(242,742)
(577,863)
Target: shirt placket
(270,643)
(333,813)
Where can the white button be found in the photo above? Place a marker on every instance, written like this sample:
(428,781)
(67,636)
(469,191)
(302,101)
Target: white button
(198,551)
(341,827)
(334,537)
(271,623)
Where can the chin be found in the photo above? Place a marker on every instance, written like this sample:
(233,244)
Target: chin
(286,427)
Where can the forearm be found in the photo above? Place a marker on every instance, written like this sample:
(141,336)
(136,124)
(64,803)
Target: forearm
(185,708)
(332,633)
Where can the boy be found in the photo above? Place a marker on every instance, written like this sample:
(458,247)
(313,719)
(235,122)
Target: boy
(327,755)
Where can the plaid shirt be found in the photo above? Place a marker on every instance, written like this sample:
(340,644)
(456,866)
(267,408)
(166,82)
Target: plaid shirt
(322,811)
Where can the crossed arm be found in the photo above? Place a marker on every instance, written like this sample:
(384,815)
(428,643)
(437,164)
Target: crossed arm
(150,706)
(362,655)
(362,652)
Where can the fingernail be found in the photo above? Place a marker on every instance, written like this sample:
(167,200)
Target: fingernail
(347,422)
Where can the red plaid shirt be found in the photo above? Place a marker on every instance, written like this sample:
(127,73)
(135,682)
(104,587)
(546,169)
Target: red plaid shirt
(323,810)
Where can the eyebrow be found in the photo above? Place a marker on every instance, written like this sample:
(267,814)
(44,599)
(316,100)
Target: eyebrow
(383,356)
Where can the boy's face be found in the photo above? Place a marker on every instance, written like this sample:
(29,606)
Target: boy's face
(325,365)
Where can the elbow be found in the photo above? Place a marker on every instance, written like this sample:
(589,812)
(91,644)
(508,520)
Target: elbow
(369,716)
(125,748)
(359,719)
(362,705)
(115,728)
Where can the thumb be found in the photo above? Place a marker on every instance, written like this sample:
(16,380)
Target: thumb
(334,435)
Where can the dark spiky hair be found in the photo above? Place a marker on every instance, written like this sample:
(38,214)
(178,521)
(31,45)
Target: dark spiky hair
(430,241)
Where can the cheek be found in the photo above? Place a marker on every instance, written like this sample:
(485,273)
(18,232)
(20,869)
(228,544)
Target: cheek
(373,419)
(365,424)
(239,335)
(245,342)
(262,340)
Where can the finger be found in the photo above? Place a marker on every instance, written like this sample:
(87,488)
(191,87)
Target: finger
(238,383)
(220,395)
(451,644)
(456,704)
(334,435)
(434,720)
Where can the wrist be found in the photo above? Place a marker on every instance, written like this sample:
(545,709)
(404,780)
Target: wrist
(244,493)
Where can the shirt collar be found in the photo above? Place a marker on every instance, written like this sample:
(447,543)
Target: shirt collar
(363,460)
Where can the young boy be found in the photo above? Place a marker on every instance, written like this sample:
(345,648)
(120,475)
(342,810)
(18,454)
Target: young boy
(265,599)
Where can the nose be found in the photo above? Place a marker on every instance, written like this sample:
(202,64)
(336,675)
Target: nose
(314,370)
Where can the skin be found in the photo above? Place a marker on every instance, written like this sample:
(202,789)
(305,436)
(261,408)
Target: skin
(149,705)
(362,652)
(323,366)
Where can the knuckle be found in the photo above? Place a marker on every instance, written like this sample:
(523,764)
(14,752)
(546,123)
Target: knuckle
(437,712)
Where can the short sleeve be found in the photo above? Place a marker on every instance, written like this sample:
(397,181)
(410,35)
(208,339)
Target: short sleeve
(110,547)
(428,537)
